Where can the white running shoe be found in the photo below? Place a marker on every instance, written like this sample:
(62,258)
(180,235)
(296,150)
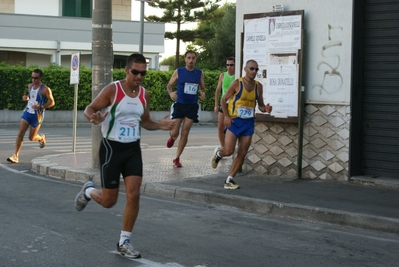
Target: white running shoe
(127,250)
(81,200)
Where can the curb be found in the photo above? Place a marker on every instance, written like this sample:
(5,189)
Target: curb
(43,166)
(280,209)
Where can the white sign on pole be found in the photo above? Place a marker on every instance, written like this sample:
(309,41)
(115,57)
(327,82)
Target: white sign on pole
(74,79)
(75,62)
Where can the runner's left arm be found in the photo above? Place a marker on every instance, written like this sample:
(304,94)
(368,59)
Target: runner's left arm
(261,105)
(50,99)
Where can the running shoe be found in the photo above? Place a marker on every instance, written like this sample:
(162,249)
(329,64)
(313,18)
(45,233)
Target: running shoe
(176,163)
(215,158)
(231,185)
(81,200)
(13,159)
(170,142)
(42,143)
(127,250)
(217,149)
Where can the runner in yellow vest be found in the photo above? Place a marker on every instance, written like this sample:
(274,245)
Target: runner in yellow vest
(238,105)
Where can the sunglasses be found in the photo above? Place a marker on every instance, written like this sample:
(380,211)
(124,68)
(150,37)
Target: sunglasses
(35,78)
(136,72)
(252,68)
(229,65)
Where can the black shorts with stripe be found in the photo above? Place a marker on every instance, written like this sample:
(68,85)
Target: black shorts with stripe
(118,158)
(180,111)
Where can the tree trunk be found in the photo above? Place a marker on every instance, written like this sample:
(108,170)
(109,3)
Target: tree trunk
(102,62)
(177,55)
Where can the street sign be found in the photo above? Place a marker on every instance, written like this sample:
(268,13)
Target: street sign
(75,62)
(74,79)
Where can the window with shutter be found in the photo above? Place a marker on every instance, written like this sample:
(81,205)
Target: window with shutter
(77,8)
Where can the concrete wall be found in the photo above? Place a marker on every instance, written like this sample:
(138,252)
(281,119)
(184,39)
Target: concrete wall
(121,9)
(38,7)
(327,80)
(59,36)
(328,49)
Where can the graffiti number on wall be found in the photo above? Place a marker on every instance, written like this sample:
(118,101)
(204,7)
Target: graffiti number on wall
(332,80)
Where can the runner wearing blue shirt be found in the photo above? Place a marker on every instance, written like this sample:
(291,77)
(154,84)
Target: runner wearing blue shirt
(190,86)
(39,97)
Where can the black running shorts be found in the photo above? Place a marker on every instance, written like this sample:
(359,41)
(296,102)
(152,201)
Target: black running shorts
(119,158)
(179,111)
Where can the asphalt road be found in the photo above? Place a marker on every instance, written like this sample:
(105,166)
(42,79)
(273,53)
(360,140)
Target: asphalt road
(40,227)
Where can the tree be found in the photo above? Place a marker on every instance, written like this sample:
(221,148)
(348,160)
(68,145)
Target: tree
(170,61)
(223,45)
(221,38)
(181,12)
(102,62)
(206,28)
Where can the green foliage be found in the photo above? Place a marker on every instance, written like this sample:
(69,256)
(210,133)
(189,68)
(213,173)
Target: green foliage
(170,61)
(181,12)
(221,45)
(14,80)
(206,28)
(155,83)
(13,84)
(211,81)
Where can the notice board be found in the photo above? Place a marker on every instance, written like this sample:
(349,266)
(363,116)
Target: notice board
(275,41)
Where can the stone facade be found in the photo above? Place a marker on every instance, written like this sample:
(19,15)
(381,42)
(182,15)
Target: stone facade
(274,148)
(121,10)
(7,6)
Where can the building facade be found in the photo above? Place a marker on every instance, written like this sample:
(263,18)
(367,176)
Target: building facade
(43,32)
(351,83)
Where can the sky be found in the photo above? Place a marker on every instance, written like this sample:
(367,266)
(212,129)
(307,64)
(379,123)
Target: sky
(170,45)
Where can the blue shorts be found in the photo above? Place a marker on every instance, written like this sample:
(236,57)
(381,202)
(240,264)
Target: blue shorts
(179,111)
(33,119)
(242,127)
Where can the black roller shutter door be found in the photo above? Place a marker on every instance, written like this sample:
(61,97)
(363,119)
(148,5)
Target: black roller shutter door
(380,119)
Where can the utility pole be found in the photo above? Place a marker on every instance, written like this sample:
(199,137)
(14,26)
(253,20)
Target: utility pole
(102,61)
(141,27)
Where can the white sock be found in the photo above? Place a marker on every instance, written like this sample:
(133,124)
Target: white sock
(229,178)
(88,191)
(124,235)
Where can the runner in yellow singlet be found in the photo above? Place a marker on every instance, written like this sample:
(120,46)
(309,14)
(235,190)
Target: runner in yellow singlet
(238,105)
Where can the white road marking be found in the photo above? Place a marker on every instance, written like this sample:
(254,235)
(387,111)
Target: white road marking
(148,263)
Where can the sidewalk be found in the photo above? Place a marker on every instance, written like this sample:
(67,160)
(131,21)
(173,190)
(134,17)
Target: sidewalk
(362,204)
